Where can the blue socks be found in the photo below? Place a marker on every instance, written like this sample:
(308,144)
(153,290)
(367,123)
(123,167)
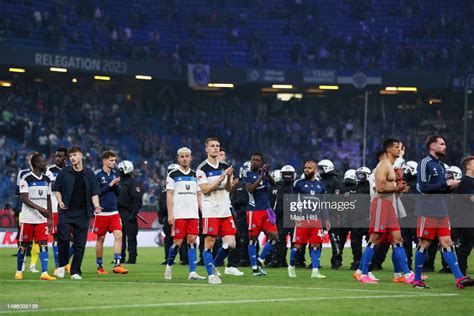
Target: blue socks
(55,253)
(99,261)
(20,258)
(420,257)
(192,257)
(293,254)
(402,257)
(450,257)
(367,258)
(172,254)
(221,255)
(266,249)
(117,258)
(44,258)
(207,258)
(315,257)
(252,249)
(396,264)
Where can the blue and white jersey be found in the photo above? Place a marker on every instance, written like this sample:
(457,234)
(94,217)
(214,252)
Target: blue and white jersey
(38,189)
(185,188)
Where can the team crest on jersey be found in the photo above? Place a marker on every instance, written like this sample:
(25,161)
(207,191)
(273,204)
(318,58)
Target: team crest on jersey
(435,172)
(177,231)
(312,192)
(188,187)
(253,225)
(40,192)
(426,232)
(381,227)
(211,229)
(138,189)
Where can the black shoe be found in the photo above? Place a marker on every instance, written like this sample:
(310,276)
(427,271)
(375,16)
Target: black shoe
(336,267)
(273,264)
(428,269)
(132,261)
(377,268)
(164,263)
(445,270)
(200,263)
(420,285)
(184,263)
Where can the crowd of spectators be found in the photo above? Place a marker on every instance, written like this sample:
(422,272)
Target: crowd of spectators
(149,132)
(375,35)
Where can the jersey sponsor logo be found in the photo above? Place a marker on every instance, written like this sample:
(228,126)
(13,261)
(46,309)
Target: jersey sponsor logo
(312,192)
(188,187)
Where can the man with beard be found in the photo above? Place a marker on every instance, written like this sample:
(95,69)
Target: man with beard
(432,213)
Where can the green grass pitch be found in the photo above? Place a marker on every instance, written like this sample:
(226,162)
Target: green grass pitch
(143,291)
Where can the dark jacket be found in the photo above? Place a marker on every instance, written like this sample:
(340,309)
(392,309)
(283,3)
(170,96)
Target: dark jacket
(162,208)
(130,197)
(65,185)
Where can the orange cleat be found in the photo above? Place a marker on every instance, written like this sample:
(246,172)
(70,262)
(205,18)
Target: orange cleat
(68,268)
(46,277)
(101,270)
(399,280)
(120,269)
(356,275)
(19,275)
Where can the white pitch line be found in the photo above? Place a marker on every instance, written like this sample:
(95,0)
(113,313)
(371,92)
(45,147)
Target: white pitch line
(217,302)
(281,287)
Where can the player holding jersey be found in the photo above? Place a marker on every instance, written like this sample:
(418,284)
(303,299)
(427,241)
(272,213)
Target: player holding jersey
(309,231)
(183,200)
(35,193)
(432,212)
(260,216)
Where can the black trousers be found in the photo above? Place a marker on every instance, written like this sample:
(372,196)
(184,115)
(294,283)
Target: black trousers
(466,239)
(168,241)
(129,236)
(356,244)
(240,254)
(75,231)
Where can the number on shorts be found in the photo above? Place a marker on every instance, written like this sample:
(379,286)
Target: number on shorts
(320,233)
(47,230)
(232,223)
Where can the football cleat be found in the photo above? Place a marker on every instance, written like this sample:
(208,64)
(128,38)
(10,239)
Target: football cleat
(168,272)
(366,279)
(214,279)
(464,281)
(194,276)
(46,277)
(101,270)
(317,275)
(291,272)
(19,275)
(420,285)
(120,270)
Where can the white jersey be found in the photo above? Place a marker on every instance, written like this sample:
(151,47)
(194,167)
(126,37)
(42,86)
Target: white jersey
(38,189)
(217,203)
(185,188)
(52,173)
